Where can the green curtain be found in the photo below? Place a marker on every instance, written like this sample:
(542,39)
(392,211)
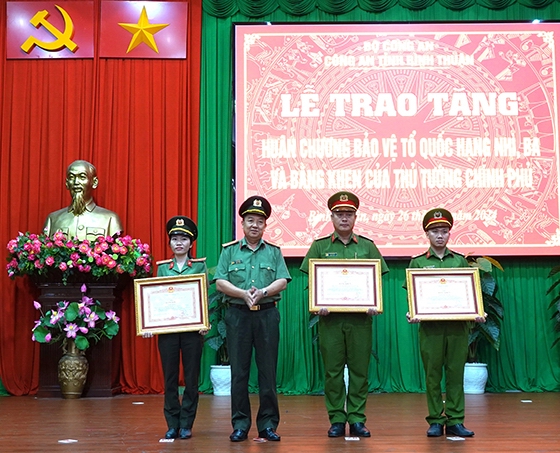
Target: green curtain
(525,361)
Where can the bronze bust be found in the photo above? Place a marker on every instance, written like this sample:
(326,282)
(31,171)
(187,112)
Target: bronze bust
(83,219)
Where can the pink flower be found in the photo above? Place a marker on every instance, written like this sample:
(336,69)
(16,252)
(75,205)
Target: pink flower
(140,261)
(83,288)
(49,261)
(116,248)
(71,330)
(90,319)
(123,250)
(112,315)
(58,236)
(62,266)
(12,246)
(147,268)
(37,305)
(48,337)
(38,264)
(111,264)
(74,257)
(55,316)
(84,248)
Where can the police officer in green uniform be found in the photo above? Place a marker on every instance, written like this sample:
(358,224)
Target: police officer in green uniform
(443,344)
(187,346)
(345,338)
(251,273)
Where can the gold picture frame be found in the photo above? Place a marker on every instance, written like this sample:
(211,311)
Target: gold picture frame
(444,294)
(345,285)
(171,304)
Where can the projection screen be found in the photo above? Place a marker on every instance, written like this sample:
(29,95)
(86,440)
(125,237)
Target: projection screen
(408,117)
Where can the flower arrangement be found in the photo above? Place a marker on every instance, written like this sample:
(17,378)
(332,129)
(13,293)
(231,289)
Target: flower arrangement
(82,321)
(41,255)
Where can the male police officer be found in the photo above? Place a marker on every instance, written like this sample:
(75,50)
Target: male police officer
(443,343)
(252,273)
(345,338)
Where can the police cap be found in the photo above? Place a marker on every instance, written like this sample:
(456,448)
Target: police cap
(255,205)
(437,217)
(343,201)
(182,225)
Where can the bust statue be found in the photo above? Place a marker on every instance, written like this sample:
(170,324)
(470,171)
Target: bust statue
(83,219)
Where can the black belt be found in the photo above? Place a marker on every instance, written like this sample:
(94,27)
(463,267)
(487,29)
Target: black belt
(258,307)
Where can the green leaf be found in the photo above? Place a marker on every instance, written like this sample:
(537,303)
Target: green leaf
(72,312)
(111,328)
(82,342)
(40,334)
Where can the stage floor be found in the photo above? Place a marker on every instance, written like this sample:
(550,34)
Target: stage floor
(505,422)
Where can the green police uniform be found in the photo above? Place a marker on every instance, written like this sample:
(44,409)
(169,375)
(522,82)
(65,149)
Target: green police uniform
(247,329)
(443,344)
(345,338)
(174,346)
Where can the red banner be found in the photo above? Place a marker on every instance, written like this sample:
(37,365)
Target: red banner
(143,30)
(48,30)
(408,117)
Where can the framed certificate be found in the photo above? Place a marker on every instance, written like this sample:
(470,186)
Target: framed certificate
(345,285)
(171,304)
(444,294)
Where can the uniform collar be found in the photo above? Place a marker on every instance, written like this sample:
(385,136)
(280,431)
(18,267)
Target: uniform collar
(335,236)
(431,253)
(243,243)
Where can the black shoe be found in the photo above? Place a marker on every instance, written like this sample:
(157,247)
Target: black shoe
(238,435)
(459,430)
(172,433)
(359,430)
(269,434)
(435,430)
(185,433)
(337,430)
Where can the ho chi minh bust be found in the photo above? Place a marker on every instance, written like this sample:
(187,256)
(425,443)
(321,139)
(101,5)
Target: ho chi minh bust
(83,219)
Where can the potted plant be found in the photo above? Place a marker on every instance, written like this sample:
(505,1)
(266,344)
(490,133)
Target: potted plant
(77,325)
(220,375)
(555,303)
(476,374)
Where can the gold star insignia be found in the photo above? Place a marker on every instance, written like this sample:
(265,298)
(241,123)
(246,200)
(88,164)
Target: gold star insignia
(143,32)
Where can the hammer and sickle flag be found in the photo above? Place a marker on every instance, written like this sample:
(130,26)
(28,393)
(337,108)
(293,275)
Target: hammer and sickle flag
(48,30)
(63,38)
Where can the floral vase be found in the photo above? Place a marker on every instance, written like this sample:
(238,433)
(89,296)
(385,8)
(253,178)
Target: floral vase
(72,371)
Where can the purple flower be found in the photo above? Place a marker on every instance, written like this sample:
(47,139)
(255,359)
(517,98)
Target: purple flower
(83,289)
(37,305)
(71,330)
(112,315)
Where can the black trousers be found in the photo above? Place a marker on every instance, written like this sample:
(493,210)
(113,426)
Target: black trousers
(259,330)
(173,347)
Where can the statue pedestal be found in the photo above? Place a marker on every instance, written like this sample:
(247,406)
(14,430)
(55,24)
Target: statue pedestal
(104,357)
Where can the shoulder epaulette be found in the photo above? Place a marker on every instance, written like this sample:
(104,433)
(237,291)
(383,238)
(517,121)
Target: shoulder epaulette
(227,244)
(456,253)
(365,237)
(324,237)
(420,254)
(272,244)
(198,260)
(159,263)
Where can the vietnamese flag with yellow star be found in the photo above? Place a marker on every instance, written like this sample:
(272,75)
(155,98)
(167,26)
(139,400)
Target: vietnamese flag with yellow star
(143,30)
